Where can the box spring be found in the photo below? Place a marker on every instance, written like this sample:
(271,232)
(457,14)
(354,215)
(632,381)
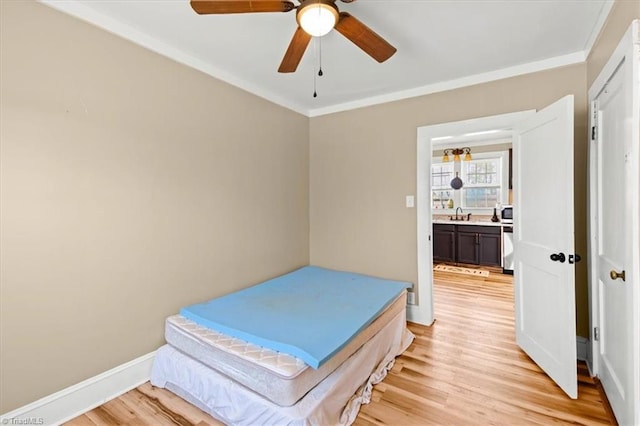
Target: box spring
(336,400)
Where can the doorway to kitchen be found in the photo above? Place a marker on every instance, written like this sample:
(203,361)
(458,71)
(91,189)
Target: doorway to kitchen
(474,134)
(544,284)
(468,195)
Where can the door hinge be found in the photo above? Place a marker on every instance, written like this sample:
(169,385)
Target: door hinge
(596,333)
(594,128)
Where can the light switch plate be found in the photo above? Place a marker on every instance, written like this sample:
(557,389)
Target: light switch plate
(410,201)
(411,298)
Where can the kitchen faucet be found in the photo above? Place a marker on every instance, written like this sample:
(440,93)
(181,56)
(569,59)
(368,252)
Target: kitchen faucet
(461,215)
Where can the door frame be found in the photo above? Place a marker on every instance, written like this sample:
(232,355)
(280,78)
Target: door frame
(628,49)
(422,312)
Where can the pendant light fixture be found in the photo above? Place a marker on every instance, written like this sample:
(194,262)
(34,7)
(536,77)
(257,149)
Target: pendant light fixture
(457,152)
(456,182)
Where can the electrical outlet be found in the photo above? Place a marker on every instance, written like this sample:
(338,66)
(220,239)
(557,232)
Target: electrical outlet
(411,298)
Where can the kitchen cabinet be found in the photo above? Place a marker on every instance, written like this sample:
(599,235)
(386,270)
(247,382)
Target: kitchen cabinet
(479,245)
(467,244)
(490,248)
(472,244)
(444,243)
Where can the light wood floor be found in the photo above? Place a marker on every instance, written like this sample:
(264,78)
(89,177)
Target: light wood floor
(464,370)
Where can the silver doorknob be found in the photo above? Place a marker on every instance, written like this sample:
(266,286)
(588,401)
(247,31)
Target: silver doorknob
(615,275)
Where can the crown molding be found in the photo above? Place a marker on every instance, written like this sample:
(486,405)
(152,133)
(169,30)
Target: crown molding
(531,67)
(128,32)
(597,28)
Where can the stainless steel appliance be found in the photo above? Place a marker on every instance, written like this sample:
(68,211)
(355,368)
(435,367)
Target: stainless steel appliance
(507,250)
(506,215)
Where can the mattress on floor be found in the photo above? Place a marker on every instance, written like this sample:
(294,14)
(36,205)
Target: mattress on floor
(336,400)
(281,378)
(310,313)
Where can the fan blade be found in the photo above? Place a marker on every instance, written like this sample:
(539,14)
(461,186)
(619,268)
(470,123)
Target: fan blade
(296,49)
(207,7)
(364,37)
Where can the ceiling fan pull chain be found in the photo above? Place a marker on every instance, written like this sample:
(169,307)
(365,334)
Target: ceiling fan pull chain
(320,73)
(315,93)
(315,57)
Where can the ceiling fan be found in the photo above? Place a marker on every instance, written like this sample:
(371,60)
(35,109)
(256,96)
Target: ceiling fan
(314,17)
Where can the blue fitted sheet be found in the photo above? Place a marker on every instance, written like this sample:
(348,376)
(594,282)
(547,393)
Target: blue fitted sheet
(310,313)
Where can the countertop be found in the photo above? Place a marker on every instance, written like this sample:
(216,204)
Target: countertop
(471,222)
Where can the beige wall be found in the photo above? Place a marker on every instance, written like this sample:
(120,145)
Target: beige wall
(130,186)
(363,163)
(619,19)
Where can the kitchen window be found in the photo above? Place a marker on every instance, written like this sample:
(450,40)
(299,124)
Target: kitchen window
(482,183)
(486,183)
(441,191)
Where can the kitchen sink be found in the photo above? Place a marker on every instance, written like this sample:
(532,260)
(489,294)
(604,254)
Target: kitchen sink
(461,219)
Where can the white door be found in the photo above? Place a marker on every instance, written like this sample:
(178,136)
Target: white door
(613,220)
(544,242)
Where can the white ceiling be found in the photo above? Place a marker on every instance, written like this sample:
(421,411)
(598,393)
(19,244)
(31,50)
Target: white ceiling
(441,44)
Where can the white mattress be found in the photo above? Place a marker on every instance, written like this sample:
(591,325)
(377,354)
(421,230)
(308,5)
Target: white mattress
(279,377)
(335,400)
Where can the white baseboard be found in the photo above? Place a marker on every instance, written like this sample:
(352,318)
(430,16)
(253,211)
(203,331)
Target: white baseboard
(414,314)
(582,348)
(68,403)
(589,358)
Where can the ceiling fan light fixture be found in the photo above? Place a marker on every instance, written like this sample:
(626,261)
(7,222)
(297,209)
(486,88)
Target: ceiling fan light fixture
(317,17)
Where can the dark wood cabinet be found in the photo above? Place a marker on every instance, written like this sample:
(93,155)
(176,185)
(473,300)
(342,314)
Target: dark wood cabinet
(444,243)
(490,249)
(472,244)
(467,245)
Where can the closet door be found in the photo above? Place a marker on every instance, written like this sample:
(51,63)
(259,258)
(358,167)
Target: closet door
(614,227)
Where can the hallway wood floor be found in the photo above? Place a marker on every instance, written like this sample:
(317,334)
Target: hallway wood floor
(464,370)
